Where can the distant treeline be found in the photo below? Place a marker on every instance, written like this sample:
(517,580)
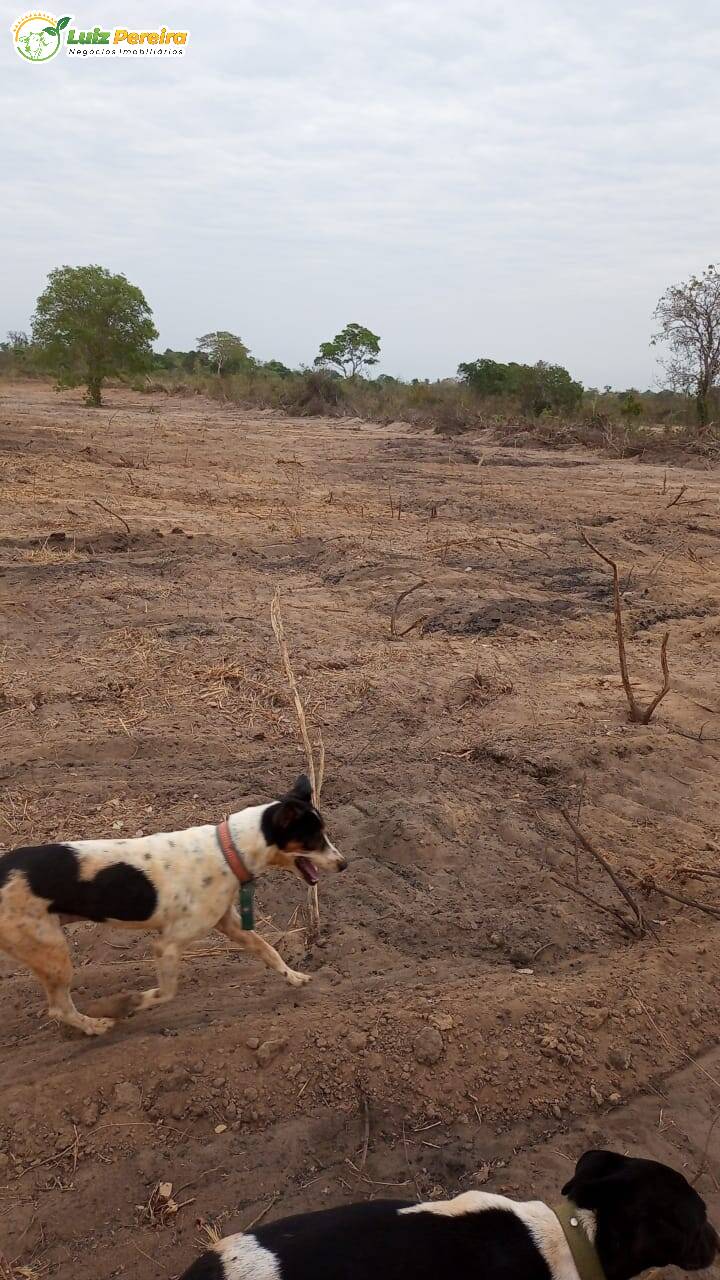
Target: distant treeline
(482,388)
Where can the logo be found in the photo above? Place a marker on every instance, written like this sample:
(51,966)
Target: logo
(37,36)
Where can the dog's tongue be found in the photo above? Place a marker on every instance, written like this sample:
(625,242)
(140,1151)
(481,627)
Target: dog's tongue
(308,869)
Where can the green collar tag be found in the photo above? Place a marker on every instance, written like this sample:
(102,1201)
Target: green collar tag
(247,904)
(584,1253)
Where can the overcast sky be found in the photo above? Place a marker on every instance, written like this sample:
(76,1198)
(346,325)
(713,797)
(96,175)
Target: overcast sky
(467,178)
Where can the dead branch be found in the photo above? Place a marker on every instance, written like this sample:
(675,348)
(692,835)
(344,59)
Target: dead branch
(114,514)
(674,1048)
(696,873)
(488,537)
(643,924)
(316,776)
(263,1212)
(638,714)
(677,497)
(395,634)
(686,901)
(601,906)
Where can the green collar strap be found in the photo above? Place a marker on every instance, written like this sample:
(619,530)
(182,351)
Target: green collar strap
(247,905)
(587,1263)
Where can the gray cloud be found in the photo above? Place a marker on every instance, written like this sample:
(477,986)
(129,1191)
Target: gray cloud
(467,178)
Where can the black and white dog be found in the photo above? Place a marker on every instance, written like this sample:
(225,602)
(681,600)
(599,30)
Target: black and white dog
(179,885)
(622,1216)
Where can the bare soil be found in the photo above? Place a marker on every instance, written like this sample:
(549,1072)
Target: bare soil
(473,1019)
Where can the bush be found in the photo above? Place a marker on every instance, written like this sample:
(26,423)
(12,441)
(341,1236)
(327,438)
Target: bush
(315,392)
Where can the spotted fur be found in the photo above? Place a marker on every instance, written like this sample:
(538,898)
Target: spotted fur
(176,884)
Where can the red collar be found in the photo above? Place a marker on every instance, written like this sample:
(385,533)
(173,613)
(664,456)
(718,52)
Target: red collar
(231,854)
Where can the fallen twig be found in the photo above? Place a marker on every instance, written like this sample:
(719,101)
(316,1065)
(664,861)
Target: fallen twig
(488,537)
(638,714)
(682,898)
(643,924)
(259,1217)
(697,872)
(675,1048)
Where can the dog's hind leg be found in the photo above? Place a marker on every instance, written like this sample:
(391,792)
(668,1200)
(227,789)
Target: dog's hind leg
(167,959)
(231,926)
(39,942)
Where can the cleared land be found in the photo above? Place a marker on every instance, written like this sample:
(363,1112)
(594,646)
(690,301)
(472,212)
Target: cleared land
(473,1019)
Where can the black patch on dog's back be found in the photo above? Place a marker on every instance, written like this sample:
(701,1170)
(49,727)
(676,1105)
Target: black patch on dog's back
(52,871)
(207,1267)
(364,1241)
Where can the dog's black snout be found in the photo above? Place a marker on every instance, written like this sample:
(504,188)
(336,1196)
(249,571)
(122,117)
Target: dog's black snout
(342,864)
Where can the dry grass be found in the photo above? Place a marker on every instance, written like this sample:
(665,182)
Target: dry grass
(52,552)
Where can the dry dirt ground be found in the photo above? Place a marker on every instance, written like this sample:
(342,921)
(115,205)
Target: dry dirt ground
(473,1019)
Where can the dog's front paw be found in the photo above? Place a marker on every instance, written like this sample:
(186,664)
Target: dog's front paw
(297,979)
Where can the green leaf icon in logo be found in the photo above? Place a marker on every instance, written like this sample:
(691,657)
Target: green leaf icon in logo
(55,31)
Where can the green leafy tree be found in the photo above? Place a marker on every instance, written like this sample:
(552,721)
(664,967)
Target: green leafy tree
(226,352)
(278,368)
(351,351)
(544,386)
(688,318)
(538,386)
(90,325)
(485,377)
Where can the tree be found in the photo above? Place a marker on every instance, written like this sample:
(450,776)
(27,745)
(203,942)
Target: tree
(351,351)
(485,377)
(538,386)
(226,352)
(688,318)
(544,386)
(91,325)
(17,341)
(278,368)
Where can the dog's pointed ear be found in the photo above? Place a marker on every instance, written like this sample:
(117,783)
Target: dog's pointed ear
(593,1172)
(301,789)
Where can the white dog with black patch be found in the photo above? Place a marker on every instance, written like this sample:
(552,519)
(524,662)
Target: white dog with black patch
(178,884)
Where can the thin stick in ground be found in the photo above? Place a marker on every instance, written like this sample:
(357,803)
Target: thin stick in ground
(397,635)
(643,924)
(112,513)
(316,776)
(638,714)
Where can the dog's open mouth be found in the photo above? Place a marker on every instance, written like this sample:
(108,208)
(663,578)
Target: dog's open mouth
(307,869)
